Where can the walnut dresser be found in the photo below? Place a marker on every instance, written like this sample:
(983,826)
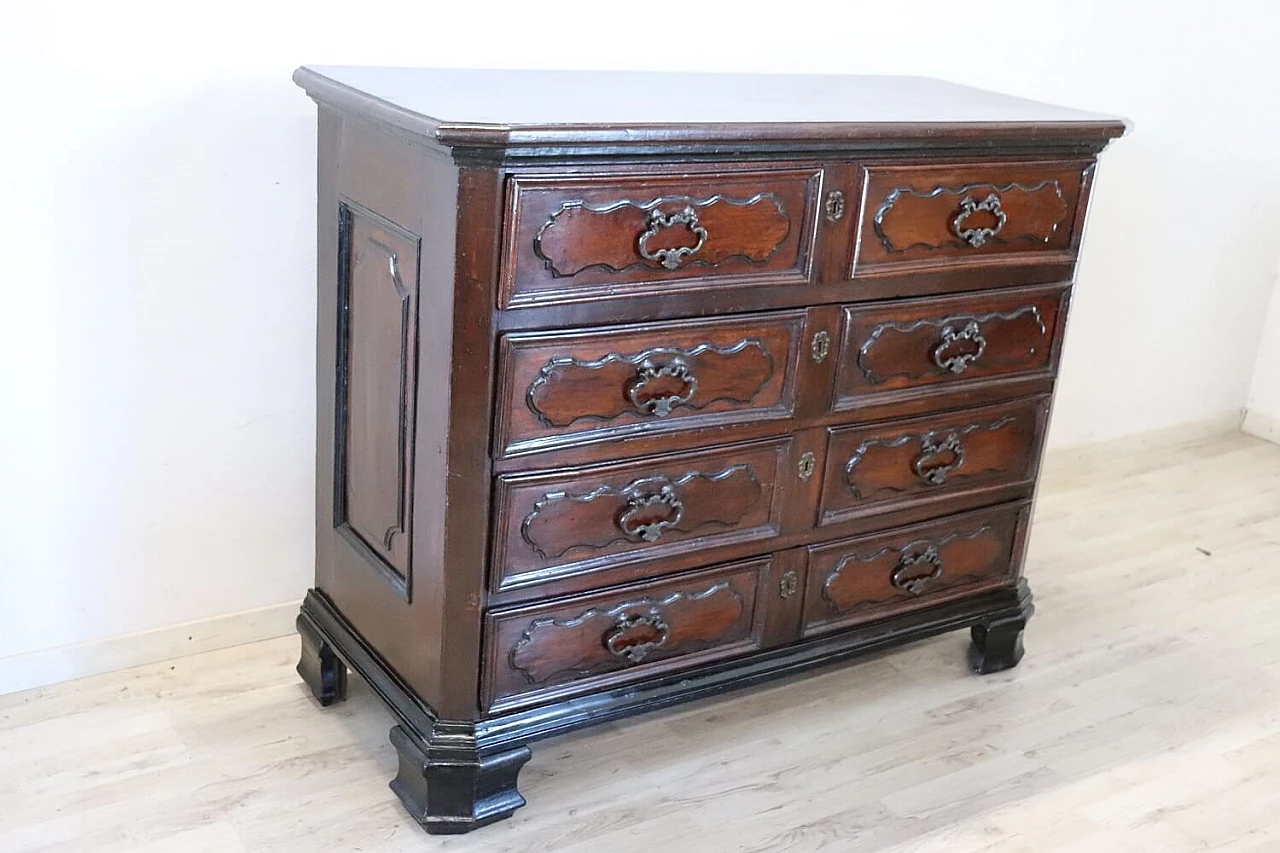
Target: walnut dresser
(635,388)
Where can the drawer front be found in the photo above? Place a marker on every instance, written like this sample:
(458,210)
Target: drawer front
(562,388)
(854,580)
(594,641)
(921,345)
(882,467)
(549,525)
(570,239)
(958,214)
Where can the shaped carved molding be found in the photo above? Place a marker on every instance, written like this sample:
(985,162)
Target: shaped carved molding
(974,329)
(669,232)
(653,383)
(596,640)
(644,511)
(972,216)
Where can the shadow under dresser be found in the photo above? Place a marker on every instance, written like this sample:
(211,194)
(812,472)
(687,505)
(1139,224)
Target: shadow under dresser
(634,388)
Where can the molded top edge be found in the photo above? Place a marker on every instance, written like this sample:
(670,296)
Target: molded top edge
(481,108)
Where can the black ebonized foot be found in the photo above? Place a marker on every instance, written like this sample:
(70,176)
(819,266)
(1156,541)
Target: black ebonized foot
(322,670)
(997,644)
(451,788)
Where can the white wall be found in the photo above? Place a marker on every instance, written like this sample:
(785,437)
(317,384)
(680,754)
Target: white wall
(158,215)
(1263,415)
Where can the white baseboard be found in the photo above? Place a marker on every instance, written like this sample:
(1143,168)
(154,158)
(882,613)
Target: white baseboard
(64,663)
(1098,452)
(1261,425)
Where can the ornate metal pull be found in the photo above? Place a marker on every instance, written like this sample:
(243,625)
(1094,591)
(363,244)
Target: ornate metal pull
(806,466)
(661,405)
(835,206)
(673,257)
(978,237)
(930,450)
(651,625)
(789,584)
(820,346)
(916,584)
(960,361)
(637,520)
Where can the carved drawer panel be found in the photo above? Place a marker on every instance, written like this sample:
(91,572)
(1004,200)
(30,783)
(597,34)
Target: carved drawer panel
(957,214)
(855,580)
(560,388)
(576,238)
(549,525)
(902,349)
(588,642)
(881,467)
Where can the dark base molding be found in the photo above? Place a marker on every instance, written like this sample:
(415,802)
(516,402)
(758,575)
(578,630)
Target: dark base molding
(997,645)
(320,667)
(456,776)
(451,789)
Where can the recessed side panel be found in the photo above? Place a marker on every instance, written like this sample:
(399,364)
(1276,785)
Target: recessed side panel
(376,383)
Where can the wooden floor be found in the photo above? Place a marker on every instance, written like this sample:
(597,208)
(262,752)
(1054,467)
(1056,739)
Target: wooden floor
(1145,717)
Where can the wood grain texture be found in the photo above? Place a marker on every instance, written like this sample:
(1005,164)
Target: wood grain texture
(573,386)
(907,348)
(609,235)
(557,523)
(966,213)
(1141,719)
(855,580)
(877,468)
(588,642)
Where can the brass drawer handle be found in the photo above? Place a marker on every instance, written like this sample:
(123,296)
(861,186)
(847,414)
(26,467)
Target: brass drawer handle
(637,520)
(960,361)
(916,584)
(623,639)
(978,237)
(649,371)
(673,257)
(927,466)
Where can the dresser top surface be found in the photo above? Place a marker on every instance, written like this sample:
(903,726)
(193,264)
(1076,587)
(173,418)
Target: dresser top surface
(458,103)
(512,98)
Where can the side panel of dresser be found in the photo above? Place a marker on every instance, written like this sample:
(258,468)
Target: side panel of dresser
(402,465)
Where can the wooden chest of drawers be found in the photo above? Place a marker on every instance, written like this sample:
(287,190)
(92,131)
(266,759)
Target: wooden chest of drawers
(636,388)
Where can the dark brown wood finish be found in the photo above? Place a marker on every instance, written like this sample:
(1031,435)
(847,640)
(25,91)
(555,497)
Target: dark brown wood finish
(967,213)
(907,348)
(859,580)
(881,467)
(614,414)
(552,650)
(614,234)
(603,518)
(606,384)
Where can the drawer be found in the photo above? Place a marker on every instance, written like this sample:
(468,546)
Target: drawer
(594,641)
(917,346)
(871,577)
(601,236)
(881,467)
(569,387)
(554,524)
(920,216)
